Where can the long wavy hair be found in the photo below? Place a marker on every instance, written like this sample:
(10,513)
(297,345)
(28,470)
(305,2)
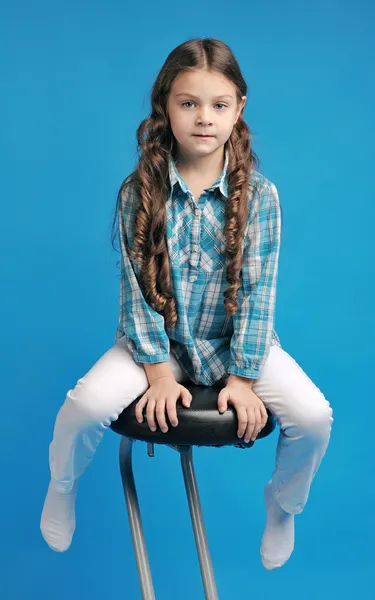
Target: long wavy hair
(151,183)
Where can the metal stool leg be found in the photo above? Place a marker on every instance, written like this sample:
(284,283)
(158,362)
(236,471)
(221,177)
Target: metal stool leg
(196,514)
(130,492)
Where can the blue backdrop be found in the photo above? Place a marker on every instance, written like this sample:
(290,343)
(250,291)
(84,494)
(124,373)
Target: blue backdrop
(75,84)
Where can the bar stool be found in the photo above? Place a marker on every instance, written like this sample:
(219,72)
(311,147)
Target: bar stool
(200,425)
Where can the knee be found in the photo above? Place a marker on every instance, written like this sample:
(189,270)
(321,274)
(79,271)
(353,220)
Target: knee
(89,406)
(317,418)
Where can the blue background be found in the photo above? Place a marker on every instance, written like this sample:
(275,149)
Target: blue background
(75,80)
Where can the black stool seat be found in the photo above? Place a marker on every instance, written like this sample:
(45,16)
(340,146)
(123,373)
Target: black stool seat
(200,425)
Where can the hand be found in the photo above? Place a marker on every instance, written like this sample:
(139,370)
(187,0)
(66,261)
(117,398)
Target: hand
(251,412)
(164,392)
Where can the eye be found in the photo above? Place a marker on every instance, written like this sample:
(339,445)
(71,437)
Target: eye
(191,102)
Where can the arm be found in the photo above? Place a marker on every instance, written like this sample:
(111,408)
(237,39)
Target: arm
(142,326)
(243,380)
(155,371)
(254,319)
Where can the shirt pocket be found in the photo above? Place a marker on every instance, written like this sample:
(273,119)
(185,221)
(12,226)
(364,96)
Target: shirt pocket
(178,234)
(213,248)
(212,239)
(179,248)
(212,258)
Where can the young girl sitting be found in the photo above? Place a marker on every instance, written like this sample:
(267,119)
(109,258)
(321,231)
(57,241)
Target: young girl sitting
(199,232)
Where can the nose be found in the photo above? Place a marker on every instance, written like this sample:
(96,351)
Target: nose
(204,116)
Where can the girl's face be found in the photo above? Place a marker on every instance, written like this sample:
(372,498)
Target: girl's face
(202,102)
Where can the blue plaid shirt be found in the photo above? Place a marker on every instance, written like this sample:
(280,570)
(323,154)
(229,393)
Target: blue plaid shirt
(207,343)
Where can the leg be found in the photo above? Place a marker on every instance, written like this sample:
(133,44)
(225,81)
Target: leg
(97,399)
(305,419)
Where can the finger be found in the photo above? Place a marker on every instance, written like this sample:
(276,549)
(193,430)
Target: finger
(160,415)
(172,411)
(242,420)
(258,423)
(186,396)
(263,410)
(139,408)
(222,402)
(150,414)
(250,423)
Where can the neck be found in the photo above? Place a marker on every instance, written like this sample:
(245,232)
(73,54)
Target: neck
(200,167)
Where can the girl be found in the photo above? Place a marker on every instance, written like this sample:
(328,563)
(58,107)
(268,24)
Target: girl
(195,216)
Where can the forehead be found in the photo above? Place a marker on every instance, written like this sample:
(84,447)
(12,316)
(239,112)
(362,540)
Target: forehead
(202,83)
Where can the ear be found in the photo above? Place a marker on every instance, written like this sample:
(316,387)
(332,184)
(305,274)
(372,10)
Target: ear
(240,107)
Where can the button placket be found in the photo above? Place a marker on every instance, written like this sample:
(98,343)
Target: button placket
(195,238)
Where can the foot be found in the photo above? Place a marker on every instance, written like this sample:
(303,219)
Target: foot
(278,538)
(57,522)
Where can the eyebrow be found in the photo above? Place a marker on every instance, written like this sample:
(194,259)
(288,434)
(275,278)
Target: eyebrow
(196,97)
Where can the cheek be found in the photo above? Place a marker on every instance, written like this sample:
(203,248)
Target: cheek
(227,128)
(181,126)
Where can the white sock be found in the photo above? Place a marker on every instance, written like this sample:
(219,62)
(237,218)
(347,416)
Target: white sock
(57,522)
(278,538)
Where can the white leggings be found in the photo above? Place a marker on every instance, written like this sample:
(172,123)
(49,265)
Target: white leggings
(116,380)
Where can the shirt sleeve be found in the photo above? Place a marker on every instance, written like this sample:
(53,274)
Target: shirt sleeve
(141,325)
(254,319)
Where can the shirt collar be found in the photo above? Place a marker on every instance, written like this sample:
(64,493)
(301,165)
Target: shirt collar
(221,182)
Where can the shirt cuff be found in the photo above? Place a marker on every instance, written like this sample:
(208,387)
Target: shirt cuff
(243,371)
(150,359)
(144,357)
